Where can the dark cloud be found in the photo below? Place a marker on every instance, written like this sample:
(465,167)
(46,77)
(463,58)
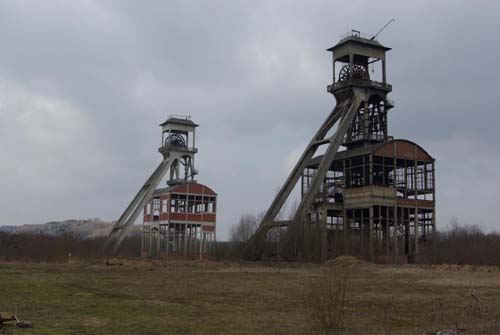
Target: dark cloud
(84,84)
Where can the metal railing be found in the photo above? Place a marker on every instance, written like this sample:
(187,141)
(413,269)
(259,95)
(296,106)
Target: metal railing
(359,82)
(168,146)
(356,34)
(179,116)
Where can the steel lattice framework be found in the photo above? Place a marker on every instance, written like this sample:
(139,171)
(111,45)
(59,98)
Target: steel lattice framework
(339,189)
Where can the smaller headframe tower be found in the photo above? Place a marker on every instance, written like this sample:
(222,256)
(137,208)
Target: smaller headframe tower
(367,194)
(179,219)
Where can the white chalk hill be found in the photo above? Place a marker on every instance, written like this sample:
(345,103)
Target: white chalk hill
(87,228)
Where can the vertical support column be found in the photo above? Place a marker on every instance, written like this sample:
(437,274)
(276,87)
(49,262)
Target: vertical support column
(344,211)
(174,239)
(185,239)
(405,218)
(201,243)
(351,62)
(396,227)
(387,232)
(354,222)
(324,236)
(396,231)
(179,242)
(371,237)
(190,239)
(179,238)
(168,236)
(362,232)
(142,240)
(158,242)
(433,208)
(346,230)
(193,156)
(370,170)
(416,232)
(333,61)
(383,71)
(366,120)
(307,236)
(380,231)
(195,239)
(149,244)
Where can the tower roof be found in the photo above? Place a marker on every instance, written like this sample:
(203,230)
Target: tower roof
(358,40)
(191,188)
(180,120)
(361,47)
(399,148)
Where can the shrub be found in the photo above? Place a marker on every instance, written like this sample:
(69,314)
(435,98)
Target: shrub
(325,295)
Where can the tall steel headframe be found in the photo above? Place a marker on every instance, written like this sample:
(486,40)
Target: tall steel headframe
(178,150)
(359,118)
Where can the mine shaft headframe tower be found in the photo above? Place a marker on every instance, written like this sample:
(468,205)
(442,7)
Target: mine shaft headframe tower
(360,117)
(178,137)
(356,55)
(178,150)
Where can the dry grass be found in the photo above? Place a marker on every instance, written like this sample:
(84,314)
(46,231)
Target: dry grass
(139,297)
(325,295)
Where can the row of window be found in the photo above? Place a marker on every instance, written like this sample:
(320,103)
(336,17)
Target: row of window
(182,203)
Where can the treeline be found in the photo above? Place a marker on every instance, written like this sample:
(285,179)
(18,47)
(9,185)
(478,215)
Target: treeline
(60,248)
(466,244)
(459,244)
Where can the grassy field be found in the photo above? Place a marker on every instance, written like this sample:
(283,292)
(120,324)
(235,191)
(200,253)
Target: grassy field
(139,297)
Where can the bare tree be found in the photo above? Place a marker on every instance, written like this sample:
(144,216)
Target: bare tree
(245,228)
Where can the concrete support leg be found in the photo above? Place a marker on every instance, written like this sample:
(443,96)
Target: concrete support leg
(307,236)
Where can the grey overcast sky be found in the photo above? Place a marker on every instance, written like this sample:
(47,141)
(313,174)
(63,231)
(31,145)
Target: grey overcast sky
(84,84)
